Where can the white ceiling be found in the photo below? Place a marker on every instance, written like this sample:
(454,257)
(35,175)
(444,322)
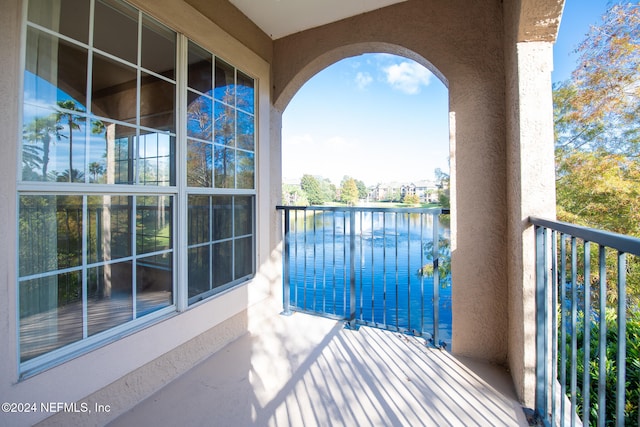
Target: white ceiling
(279,18)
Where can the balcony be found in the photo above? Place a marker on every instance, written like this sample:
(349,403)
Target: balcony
(327,359)
(306,370)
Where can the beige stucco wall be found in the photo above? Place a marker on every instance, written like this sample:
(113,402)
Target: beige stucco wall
(462,42)
(129,369)
(530,168)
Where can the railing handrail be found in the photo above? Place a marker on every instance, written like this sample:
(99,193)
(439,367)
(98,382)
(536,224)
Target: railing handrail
(620,242)
(443,211)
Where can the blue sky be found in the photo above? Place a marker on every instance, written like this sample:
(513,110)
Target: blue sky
(382,118)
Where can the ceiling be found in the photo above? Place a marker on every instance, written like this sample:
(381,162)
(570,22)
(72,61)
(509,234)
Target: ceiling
(279,18)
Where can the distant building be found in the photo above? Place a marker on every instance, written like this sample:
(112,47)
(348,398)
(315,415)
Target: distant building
(426,190)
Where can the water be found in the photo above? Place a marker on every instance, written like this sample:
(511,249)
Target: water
(389,249)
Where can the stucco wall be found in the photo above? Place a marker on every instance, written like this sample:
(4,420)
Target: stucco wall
(134,366)
(530,168)
(462,41)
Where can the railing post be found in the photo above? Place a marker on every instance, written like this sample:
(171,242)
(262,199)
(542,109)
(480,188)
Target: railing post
(352,269)
(286,285)
(436,279)
(541,324)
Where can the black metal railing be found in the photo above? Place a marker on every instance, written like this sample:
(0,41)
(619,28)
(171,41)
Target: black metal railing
(587,367)
(380,267)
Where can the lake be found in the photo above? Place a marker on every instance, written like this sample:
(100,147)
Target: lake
(389,248)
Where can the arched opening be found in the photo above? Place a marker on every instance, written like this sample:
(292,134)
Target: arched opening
(379,120)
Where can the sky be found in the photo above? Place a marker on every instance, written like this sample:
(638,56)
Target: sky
(381,118)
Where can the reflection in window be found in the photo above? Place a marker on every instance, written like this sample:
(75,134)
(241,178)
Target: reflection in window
(55,232)
(220,243)
(96,248)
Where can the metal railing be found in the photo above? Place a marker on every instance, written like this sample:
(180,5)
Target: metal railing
(582,373)
(369,266)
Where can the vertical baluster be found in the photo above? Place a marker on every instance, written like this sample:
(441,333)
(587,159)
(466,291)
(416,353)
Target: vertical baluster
(554,323)
(314,306)
(408,215)
(586,361)
(602,339)
(352,265)
(622,338)
(574,332)
(373,275)
(563,327)
(286,273)
(541,321)
(397,269)
(422,215)
(436,280)
(384,269)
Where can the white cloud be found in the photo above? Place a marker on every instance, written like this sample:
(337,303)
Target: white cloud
(363,80)
(407,77)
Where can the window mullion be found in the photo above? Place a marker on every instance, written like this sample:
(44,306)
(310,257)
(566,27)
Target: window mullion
(181,279)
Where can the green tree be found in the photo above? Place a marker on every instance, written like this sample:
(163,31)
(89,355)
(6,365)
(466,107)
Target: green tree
(292,195)
(442,182)
(70,120)
(40,131)
(411,199)
(349,192)
(598,107)
(311,186)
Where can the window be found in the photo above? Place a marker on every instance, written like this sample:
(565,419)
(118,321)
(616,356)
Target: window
(220,174)
(100,189)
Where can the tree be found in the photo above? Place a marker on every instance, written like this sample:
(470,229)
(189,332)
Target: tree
(72,124)
(40,131)
(411,199)
(598,108)
(311,187)
(292,195)
(442,182)
(349,192)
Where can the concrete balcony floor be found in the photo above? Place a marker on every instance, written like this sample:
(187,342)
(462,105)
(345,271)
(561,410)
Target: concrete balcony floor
(303,370)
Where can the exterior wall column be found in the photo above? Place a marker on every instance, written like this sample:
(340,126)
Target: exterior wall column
(530,192)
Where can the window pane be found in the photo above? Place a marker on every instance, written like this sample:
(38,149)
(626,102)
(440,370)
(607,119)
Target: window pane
(55,70)
(222,263)
(156,159)
(243,220)
(225,124)
(108,227)
(116,29)
(200,65)
(111,153)
(199,270)
(224,90)
(243,257)
(245,131)
(199,117)
(246,167)
(50,233)
(38,242)
(222,217)
(154,283)
(158,48)
(113,90)
(109,296)
(153,223)
(68,17)
(50,313)
(199,220)
(245,93)
(54,143)
(224,167)
(67,159)
(157,103)
(199,164)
